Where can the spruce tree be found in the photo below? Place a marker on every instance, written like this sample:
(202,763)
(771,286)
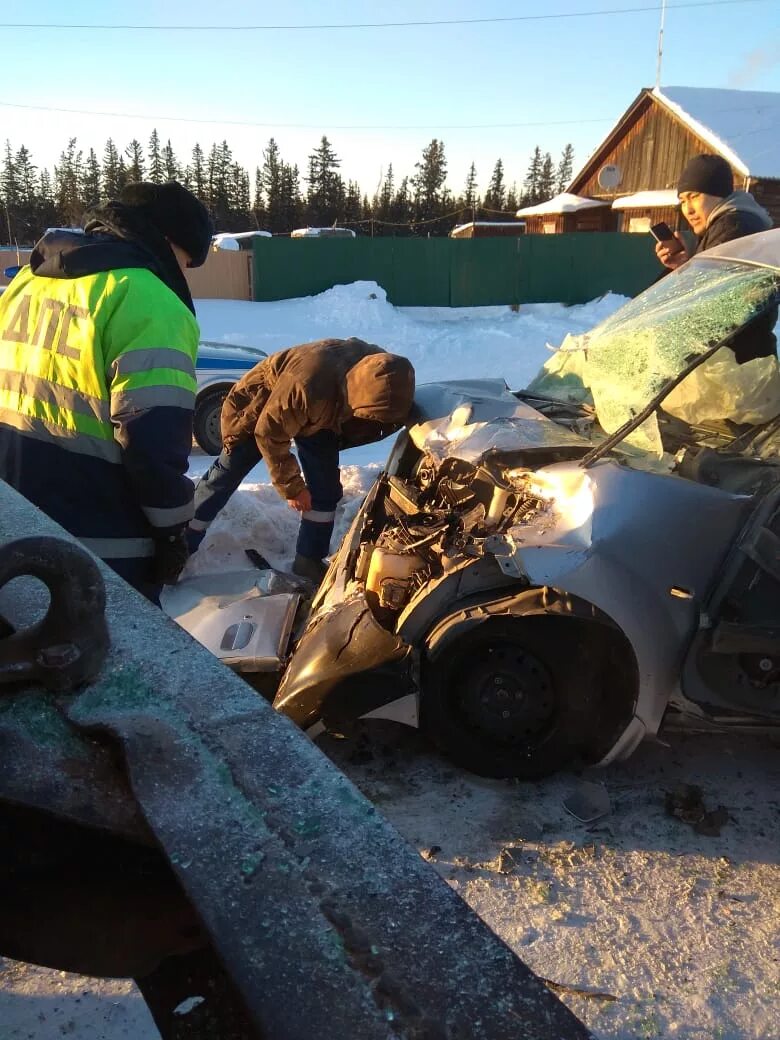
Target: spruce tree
(402,210)
(353,203)
(90,185)
(9,189)
(218,174)
(428,183)
(67,185)
(547,179)
(113,170)
(259,212)
(47,211)
(270,183)
(27,205)
(197,180)
(495,196)
(511,199)
(171,168)
(531,193)
(470,198)
(291,201)
(156,165)
(565,167)
(326,194)
(240,199)
(135,165)
(383,200)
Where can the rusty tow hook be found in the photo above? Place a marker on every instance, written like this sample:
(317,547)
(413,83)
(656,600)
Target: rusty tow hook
(67,647)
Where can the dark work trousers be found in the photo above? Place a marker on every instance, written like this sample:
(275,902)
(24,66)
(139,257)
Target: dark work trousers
(319,459)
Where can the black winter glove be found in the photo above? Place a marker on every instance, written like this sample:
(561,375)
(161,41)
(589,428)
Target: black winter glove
(170,555)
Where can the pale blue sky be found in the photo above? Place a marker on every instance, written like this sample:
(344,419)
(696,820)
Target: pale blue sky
(572,76)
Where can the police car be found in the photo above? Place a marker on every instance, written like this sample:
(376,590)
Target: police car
(218,367)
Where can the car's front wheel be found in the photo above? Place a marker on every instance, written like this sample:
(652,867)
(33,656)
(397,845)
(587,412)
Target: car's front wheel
(514,697)
(206,421)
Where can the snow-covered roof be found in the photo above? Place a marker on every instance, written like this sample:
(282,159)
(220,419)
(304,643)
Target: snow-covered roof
(741,125)
(316,232)
(488,223)
(564,203)
(243,234)
(231,239)
(647,199)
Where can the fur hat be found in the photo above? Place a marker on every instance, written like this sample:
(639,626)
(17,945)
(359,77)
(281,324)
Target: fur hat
(709,174)
(178,214)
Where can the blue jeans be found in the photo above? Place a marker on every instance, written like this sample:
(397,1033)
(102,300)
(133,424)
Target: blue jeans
(319,459)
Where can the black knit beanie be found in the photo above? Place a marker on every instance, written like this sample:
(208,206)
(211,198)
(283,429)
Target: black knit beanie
(178,214)
(709,174)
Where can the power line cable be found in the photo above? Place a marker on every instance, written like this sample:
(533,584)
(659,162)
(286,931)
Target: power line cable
(304,126)
(374,25)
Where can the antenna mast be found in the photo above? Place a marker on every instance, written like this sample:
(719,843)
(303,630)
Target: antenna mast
(660,46)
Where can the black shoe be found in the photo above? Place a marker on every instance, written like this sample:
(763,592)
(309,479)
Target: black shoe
(312,570)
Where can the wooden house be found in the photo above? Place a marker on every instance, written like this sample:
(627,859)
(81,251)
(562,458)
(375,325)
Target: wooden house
(635,169)
(568,212)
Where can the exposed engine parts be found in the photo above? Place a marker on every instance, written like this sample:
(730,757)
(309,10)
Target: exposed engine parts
(420,527)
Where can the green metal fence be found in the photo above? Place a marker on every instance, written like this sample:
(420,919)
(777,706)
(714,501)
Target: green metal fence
(446,272)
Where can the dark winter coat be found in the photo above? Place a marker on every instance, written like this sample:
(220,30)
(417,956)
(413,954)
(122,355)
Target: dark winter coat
(355,389)
(736,216)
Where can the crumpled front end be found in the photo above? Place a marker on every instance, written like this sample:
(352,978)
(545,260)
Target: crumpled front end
(439,524)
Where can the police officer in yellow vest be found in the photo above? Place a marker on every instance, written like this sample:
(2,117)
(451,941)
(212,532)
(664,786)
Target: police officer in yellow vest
(98,342)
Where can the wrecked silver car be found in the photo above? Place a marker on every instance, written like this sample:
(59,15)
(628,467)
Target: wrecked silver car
(539,576)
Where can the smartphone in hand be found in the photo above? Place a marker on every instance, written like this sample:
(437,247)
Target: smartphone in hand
(663,233)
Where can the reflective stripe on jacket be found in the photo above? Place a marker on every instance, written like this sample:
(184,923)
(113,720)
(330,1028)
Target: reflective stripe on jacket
(97,387)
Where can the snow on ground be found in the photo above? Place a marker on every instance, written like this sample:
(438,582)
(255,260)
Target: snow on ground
(644,927)
(647,928)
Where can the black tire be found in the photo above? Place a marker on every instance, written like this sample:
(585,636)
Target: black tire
(514,697)
(205,423)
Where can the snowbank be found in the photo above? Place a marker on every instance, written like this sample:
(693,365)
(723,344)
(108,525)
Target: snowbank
(441,342)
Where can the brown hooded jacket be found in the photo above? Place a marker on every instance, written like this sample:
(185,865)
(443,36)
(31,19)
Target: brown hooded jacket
(355,389)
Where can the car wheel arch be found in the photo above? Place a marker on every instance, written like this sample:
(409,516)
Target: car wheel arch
(223,386)
(537,600)
(621,683)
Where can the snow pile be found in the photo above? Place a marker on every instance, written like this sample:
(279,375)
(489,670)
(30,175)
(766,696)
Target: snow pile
(441,342)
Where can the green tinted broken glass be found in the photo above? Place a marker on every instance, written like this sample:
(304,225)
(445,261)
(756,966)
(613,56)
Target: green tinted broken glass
(629,358)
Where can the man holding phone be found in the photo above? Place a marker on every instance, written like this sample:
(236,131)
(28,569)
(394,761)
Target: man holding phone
(715,212)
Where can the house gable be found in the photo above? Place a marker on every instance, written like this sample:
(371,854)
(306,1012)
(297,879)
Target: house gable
(650,145)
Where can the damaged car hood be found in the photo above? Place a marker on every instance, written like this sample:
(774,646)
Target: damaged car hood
(467,419)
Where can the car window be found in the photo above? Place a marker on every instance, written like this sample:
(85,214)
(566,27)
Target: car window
(627,359)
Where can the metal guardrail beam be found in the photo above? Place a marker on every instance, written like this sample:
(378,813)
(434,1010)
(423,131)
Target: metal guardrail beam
(328,923)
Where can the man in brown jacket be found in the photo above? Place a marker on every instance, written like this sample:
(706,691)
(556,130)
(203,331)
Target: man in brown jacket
(325,396)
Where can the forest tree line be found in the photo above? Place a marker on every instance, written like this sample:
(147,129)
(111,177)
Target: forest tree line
(33,199)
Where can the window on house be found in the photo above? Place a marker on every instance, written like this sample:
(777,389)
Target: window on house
(639,224)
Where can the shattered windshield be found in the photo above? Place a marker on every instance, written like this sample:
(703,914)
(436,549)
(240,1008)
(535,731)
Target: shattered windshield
(627,359)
